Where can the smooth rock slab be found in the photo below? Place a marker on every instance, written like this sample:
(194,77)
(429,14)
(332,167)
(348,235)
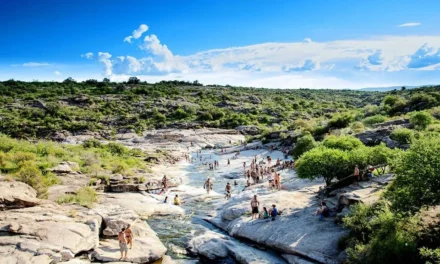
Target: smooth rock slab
(17,195)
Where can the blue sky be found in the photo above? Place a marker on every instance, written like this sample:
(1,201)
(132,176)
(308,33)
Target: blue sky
(270,43)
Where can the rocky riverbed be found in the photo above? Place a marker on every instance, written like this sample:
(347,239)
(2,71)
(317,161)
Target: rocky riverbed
(206,228)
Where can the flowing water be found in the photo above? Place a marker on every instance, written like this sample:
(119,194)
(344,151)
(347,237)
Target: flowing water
(176,231)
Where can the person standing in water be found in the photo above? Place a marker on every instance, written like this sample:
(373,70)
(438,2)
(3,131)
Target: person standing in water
(228,191)
(254,207)
(229,162)
(208,185)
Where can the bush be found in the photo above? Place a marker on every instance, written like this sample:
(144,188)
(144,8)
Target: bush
(117,149)
(402,135)
(358,127)
(421,120)
(342,142)
(92,143)
(85,196)
(417,181)
(372,120)
(341,120)
(303,145)
(30,174)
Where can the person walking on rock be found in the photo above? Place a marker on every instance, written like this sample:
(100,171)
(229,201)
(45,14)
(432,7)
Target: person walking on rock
(254,206)
(122,244)
(129,236)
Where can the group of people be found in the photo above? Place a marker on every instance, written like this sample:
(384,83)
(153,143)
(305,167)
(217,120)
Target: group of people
(265,214)
(256,172)
(125,238)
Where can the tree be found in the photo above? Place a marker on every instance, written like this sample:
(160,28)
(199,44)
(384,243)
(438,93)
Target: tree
(106,80)
(133,80)
(417,181)
(342,142)
(324,163)
(421,120)
(69,80)
(303,145)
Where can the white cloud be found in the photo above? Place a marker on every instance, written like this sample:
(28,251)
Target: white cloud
(305,65)
(137,33)
(411,24)
(296,64)
(57,73)
(32,64)
(307,40)
(88,55)
(104,58)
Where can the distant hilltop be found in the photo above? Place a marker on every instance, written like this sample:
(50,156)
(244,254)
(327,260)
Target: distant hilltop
(390,88)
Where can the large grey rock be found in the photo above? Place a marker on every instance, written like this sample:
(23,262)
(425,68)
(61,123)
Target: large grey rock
(214,246)
(17,195)
(65,167)
(115,218)
(147,247)
(248,130)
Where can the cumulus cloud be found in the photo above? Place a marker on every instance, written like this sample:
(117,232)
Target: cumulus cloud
(376,58)
(88,55)
(57,73)
(305,65)
(137,33)
(411,24)
(425,56)
(307,40)
(104,58)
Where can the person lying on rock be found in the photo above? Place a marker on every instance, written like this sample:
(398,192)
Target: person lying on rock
(129,236)
(254,207)
(177,200)
(122,244)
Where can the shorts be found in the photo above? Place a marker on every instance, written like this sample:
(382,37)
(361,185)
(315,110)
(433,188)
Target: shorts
(123,247)
(254,210)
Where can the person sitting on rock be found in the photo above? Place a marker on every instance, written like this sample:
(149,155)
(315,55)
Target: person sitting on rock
(122,244)
(254,207)
(177,200)
(129,236)
(273,212)
(265,213)
(322,211)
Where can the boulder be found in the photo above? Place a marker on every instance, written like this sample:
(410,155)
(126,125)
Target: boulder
(15,195)
(254,99)
(115,218)
(65,167)
(248,130)
(147,247)
(47,230)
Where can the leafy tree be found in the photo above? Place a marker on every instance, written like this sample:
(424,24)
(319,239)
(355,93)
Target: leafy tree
(421,120)
(69,80)
(342,142)
(303,145)
(106,80)
(324,163)
(417,182)
(133,80)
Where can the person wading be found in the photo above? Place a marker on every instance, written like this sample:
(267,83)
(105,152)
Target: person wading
(208,185)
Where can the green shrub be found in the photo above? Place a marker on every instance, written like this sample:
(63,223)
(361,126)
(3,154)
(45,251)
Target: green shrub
(358,127)
(303,145)
(85,196)
(372,120)
(92,143)
(402,135)
(342,142)
(421,120)
(341,120)
(30,174)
